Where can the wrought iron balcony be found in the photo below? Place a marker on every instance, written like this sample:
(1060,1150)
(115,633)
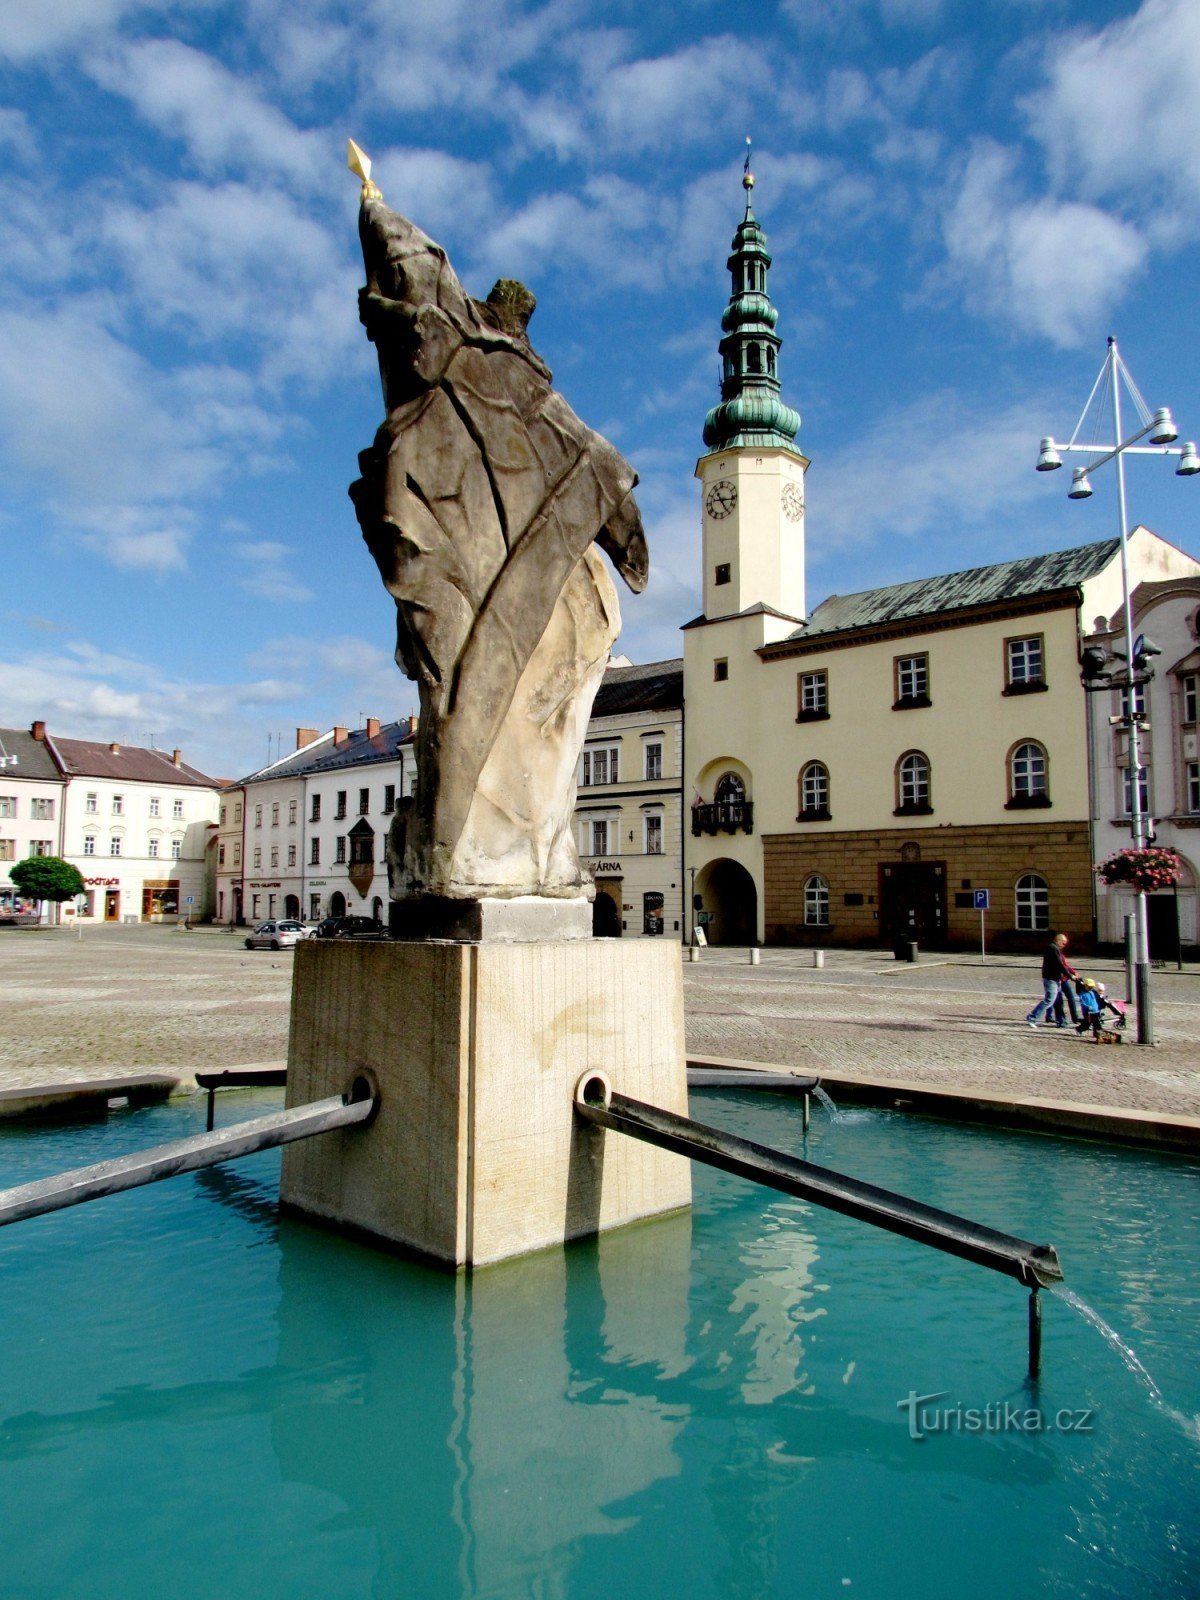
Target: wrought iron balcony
(725,816)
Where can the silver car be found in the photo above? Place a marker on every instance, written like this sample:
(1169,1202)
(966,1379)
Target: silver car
(276,936)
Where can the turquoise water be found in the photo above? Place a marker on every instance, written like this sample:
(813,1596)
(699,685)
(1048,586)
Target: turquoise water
(198,1399)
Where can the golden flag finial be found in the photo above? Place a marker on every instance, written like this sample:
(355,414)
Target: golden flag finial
(359,163)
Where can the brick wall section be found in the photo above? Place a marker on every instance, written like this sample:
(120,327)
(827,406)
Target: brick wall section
(991,858)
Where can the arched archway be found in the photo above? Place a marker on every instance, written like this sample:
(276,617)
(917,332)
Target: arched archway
(606,917)
(337,904)
(731,900)
(291,907)
(377,909)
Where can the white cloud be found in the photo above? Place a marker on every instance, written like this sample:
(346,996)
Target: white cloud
(233,261)
(27,31)
(223,120)
(895,480)
(1052,268)
(117,449)
(267,572)
(1120,115)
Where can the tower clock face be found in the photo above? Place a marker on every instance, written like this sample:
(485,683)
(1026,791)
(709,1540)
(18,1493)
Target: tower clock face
(793,501)
(721,498)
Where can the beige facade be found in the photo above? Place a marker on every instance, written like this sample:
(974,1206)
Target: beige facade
(629,802)
(860,775)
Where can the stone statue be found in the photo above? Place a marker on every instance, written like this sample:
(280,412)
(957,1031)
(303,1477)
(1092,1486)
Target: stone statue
(481,500)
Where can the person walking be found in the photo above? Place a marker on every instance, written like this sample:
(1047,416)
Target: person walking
(1068,992)
(1054,971)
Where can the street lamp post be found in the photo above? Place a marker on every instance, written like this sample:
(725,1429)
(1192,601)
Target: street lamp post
(1160,431)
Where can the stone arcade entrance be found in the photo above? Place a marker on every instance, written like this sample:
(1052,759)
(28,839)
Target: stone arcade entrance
(730,903)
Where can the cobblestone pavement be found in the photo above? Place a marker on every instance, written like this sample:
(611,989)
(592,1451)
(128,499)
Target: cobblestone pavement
(152,998)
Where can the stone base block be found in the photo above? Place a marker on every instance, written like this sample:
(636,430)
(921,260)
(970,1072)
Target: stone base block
(524,919)
(476,1154)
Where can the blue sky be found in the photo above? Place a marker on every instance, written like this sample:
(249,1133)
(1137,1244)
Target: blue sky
(962,202)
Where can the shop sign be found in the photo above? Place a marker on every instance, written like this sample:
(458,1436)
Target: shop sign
(103,883)
(262,883)
(604,866)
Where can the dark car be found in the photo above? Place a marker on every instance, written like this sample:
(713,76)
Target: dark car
(350,928)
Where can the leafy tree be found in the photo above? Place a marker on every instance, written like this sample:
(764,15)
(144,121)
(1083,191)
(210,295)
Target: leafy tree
(46,878)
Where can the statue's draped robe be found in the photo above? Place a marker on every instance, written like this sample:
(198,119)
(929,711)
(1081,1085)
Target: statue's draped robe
(481,499)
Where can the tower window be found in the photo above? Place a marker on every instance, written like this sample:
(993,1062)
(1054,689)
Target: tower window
(754,358)
(722,573)
(721,669)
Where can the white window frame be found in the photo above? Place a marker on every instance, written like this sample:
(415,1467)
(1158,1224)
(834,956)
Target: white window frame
(89,844)
(1031,903)
(1192,784)
(912,677)
(1127,790)
(914,779)
(1026,660)
(814,787)
(653,759)
(596,759)
(653,831)
(1191,696)
(155,806)
(816,901)
(1029,770)
(814,692)
(152,848)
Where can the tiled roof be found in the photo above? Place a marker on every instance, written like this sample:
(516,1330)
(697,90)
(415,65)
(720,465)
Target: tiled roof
(127,763)
(656,686)
(33,759)
(359,749)
(921,597)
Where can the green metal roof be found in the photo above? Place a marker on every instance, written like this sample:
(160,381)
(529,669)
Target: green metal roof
(921,597)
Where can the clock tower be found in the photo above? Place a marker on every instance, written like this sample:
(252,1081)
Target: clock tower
(753,475)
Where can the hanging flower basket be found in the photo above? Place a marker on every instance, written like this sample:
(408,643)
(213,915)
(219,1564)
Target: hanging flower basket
(1142,870)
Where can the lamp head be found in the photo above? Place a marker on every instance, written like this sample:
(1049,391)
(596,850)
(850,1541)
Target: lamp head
(1164,430)
(1080,488)
(1189,461)
(1048,457)
(1093,661)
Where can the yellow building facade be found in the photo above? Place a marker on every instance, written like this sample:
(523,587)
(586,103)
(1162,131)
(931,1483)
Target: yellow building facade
(880,769)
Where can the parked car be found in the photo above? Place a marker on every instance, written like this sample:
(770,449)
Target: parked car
(276,936)
(350,928)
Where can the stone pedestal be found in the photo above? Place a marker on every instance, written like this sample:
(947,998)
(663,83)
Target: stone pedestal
(476,1154)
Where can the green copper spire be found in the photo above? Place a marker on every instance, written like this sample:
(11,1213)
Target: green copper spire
(751,411)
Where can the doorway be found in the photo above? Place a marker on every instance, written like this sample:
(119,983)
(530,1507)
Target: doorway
(1162,911)
(112,905)
(912,902)
(729,897)
(606,912)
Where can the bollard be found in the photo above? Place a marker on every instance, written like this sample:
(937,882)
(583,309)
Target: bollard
(754,957)
(818,958)
(693,952)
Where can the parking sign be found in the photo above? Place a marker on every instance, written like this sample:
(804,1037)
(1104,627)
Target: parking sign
(981,900)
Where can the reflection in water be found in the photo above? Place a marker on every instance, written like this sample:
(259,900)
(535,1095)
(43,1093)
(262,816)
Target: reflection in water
(703,1405)
(468,1411)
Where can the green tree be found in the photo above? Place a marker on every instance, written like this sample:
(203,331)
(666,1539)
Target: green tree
(46,878)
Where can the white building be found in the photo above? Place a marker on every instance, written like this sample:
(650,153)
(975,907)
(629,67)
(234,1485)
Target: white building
(31,808)
(1166,613)
(140,825)
(629,802)
(228,907)
(274,841)
(351,796)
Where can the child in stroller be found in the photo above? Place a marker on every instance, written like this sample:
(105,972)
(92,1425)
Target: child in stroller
(1096,1009)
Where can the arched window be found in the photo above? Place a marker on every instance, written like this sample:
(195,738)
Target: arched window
(912,784)
(816,902)
(1028,776)
(814,791)
(770,361)
(730,787)
(1032,903)
(754,359)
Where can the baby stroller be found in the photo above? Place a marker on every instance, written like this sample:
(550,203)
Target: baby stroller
(1105,1019)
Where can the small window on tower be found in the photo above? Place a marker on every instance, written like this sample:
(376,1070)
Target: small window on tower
(722,575)
(721,669)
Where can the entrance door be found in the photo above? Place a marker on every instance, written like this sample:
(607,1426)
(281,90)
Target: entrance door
(606,912)
(912,902)
(1163,929)
(112,905)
